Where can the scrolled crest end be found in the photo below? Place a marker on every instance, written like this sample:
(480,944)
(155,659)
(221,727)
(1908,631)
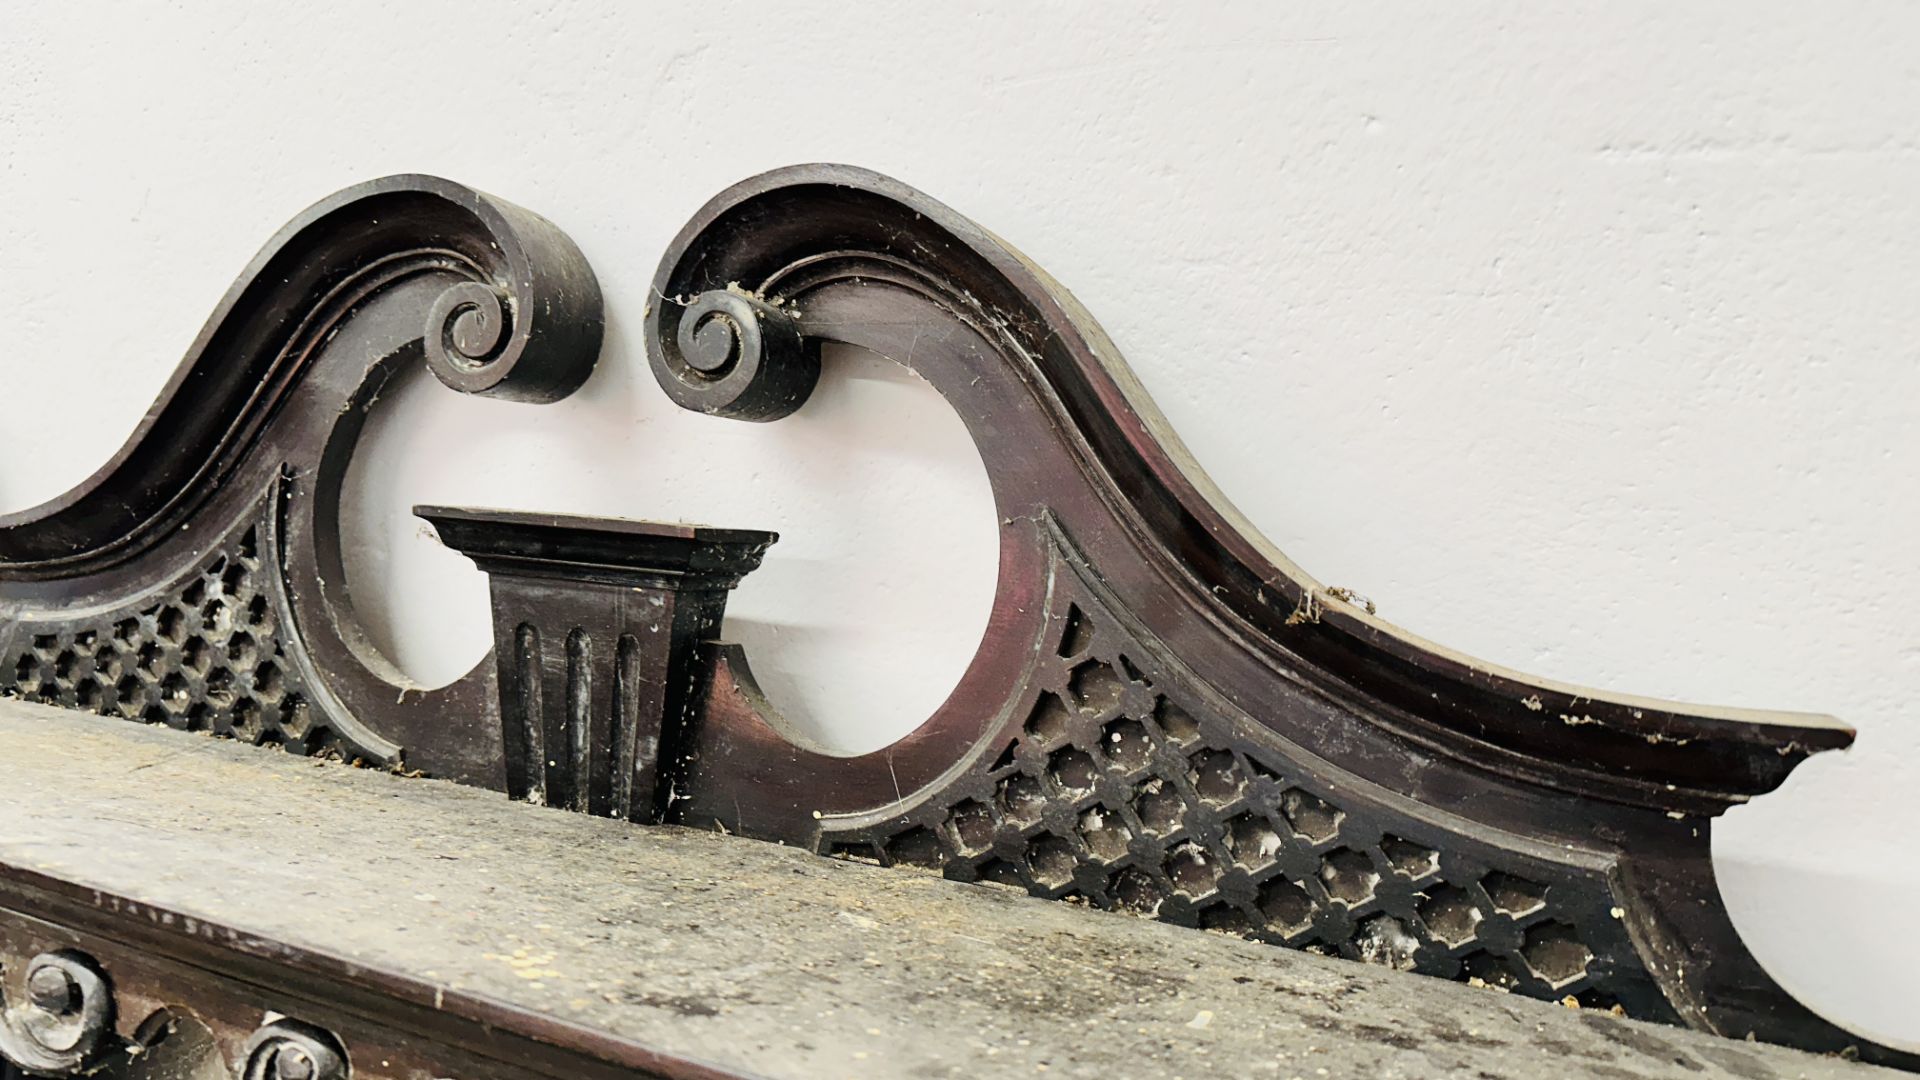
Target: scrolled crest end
(729,353)
(528,325)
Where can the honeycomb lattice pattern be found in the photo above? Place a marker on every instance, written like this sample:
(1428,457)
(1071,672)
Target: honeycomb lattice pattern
(1113,795)
(207,659)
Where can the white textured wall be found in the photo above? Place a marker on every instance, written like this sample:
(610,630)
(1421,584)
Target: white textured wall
(1586,341)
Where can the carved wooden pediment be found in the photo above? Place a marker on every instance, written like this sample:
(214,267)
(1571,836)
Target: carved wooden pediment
(1165,717)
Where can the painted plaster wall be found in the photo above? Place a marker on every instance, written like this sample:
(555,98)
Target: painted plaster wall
(1583,340)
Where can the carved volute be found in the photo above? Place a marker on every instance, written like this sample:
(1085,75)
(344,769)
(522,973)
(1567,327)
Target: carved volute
(1165,717)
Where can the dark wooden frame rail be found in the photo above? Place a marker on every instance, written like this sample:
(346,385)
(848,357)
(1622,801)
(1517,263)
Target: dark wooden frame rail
(1165,716)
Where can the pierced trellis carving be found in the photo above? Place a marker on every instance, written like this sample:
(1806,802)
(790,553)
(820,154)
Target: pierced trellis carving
(197,580)
(1166,717)
(209,657)
(1115,794)
(1119,784)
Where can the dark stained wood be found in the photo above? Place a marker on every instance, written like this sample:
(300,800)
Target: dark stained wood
(1166,717)
(597,626)
(196,579)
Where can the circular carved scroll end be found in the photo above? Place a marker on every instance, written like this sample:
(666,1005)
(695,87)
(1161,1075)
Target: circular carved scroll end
(730,354)
(469,337)
(525,323)
(67,1016)
(291,1050)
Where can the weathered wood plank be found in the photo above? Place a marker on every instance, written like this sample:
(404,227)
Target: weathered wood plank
(745,956)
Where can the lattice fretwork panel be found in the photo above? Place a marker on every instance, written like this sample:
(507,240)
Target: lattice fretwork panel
(1117,793)
(208,658)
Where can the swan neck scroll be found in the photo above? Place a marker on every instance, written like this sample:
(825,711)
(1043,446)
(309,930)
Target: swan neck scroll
(833,247)
(1165,717)
(1151,724)
(195,580)
(519,318)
